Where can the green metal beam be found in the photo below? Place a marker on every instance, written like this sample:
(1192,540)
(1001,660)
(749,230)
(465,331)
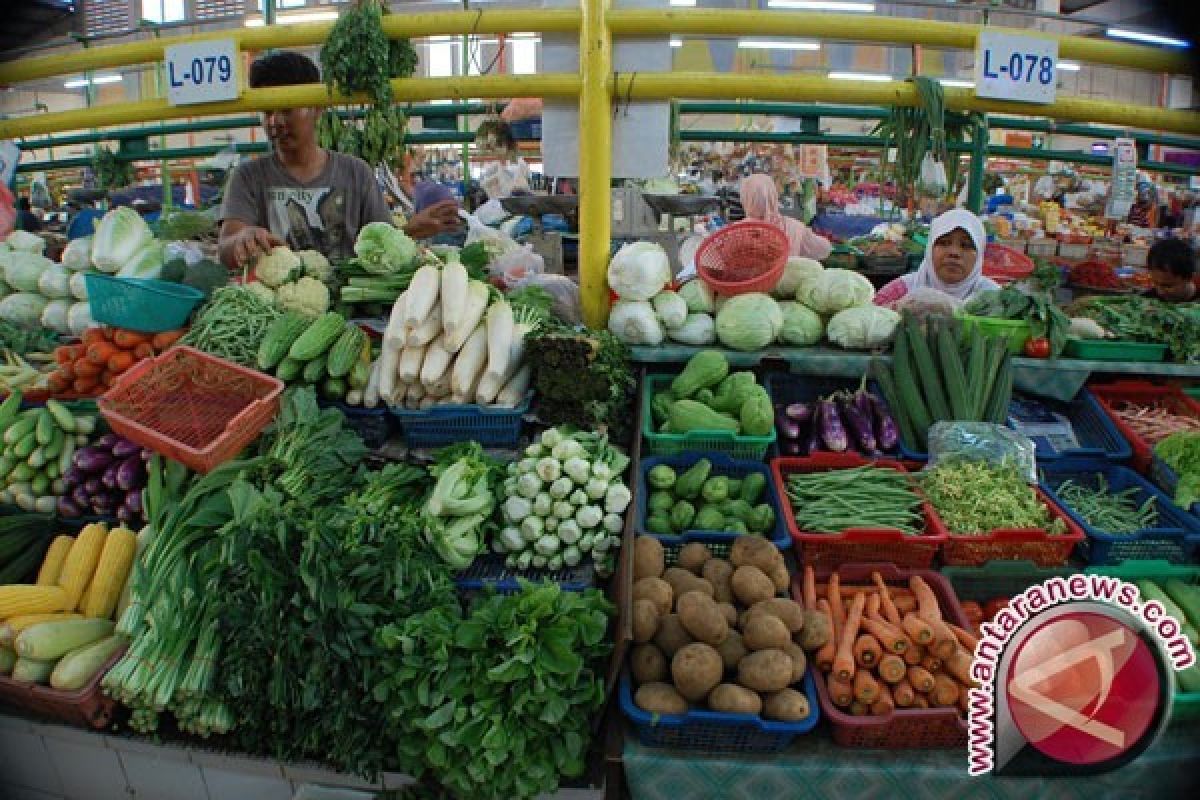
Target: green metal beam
(784,110)
(841,140)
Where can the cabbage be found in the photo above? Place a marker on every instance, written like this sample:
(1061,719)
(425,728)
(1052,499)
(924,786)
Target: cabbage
(24,270)
(78,285)
(801,325)
(698,330)
(797,274)
(54,316)
(639,271)
(77,254)
(749,321)
(119,235)
(27,242)
(698,296)
(634,322)
(146,262)
(79,318)
(837,289)
(863,327)
(671,309)
(23,308)
(382,248)
(55,282)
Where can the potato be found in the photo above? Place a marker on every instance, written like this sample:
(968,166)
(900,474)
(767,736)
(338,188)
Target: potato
(671,635)
(731,614)
(718,571)
(696,669)
(764,632)
(645,620)
(788,611)
(786,705)
(701,618)
(732,650)
(755,551)
(816,631)
(765,671)
(657,591)
(649,561)
(799,661)
(751,586)
(780,577)
(682,582)
(734,699)
(648,664)
(693,556)
(660,698)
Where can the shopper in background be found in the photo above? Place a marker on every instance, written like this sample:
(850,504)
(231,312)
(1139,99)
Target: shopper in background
(26,219)
(1144,212)
(302,195)
(760,199)
(953,264)
(1172,265)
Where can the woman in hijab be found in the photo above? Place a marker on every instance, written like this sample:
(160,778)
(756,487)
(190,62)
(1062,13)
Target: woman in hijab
(952,270)
(760,200)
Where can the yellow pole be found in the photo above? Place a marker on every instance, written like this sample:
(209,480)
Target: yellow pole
(595,161)
(314,94)
(860,28)
(674,85)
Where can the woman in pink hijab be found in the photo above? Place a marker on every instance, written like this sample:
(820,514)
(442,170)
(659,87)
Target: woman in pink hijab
(760,200)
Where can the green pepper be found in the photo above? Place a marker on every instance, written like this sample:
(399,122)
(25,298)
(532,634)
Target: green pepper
(709,518)
(660,406)
(753,486)
(716,489)
(682,516)
(661,477)
(660,501)
(660,524)
(761,518)
(689,484)
(736,526)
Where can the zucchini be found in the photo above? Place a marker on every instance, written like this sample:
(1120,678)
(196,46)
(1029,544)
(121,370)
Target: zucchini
(319,337)
(48,641)
(62,415)
(280,336)
(29,670)
(315,369)
(77,668)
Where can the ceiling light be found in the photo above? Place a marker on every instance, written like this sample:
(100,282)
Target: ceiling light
(822,5)
(776,44)
(1138,36)
(294,19)
(1068,66)
(956,84)
(97,80)
(677,43)
(684,3)
(860,76)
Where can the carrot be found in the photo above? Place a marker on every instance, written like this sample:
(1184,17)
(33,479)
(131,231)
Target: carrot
(93,336)
(919,701)
(143,351)
(835,597)
(867,650)
(100,353)
(84,367)
(905,603)
(892,668)
(107,377)
(162,341)
(107,333)
(127,340)
(866,688)
(964,701)
(824,656)
(944,641)
(809,589)
(967,639)
(945,690)
(921,679)
(58,382)
(84,385)
(959,666)
(120,362)
(893,641)
(913,655)
(931,663)
(885,704)
(859,709)
(67,371)
(848,590)
(885,600)
(927,604)
(62,355)
(843,662)
(903,694)
(916,629)
(841,692)
(873,601)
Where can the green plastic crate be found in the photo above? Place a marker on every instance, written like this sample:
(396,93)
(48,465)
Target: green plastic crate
(1187,704)
(1193,392)
(1110,350)
(999,579)
(753,448)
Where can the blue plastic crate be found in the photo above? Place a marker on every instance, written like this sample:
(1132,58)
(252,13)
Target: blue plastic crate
(786,388)
(713,731)
(721,465)
(447,424)
(374,425)
(489,571)
(1173,540)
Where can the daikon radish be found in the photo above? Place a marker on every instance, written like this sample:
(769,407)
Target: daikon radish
(427,331)
(478,294)
(422,296)
(514,391)
(437,361)
(408,369)
(454,295)
(500,331)
(470,361)
(395,332)
(371,394)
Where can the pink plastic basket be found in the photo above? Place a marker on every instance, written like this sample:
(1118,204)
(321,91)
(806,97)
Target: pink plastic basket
(744,257)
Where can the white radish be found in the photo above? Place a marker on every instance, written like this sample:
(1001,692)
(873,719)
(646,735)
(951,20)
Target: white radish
(427,331)
(395,328)
(415,392)
(393,342)
(409,367)
(427,403)
(470,361)
(454,295)
(371,395)
(475,305)
(491,384)
(422,296)
(514,391)
(500,330)
(437,361)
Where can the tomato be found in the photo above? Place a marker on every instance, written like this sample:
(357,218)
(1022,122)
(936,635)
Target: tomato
(994,606)
(1038,348)
(973,612)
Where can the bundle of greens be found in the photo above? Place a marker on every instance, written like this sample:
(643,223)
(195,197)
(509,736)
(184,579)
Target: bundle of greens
(1181,452)
(358,57)
(23,341)
(180,224)
(456,513)
(1144,319)
(309,452)
(1046,320)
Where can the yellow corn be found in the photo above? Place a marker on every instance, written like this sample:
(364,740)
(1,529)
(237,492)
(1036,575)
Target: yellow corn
(115,562)
(81,562)
(56,556)
(20,598)
(14,625)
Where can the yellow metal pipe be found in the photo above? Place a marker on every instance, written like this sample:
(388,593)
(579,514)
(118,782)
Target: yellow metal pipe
(283,36)
(595,162)
(883,29)
(698,85)
(565,85)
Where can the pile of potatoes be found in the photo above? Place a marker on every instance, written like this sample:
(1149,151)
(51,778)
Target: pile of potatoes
(712,633)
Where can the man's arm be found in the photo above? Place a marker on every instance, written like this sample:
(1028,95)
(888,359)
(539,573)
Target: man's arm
(239,243)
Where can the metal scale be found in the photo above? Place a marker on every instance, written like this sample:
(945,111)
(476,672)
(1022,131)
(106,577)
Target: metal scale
(547,244)
(674,206)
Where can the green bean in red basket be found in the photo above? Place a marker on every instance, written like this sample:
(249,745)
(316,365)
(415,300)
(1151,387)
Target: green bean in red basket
(862,497)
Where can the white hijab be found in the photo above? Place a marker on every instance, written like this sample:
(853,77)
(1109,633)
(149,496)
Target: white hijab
(926,277)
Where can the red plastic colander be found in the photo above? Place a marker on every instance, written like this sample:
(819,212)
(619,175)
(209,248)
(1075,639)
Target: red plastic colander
(744,257)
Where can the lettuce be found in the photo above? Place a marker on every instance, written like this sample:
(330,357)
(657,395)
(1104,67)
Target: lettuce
(634,322)
(837,289)
(382,248)
(23,309)
(797,275)
(863,327)
(802,326)
(23,270)
(119,236)
(639,271)
(749,322)
(1181,452)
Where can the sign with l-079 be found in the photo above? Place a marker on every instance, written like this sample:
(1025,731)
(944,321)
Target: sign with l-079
(202,72)
(1014,67)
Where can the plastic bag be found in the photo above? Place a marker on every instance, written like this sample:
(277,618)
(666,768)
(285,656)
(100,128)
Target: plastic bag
(927,301)
(190,252)
(502,180)
(517,265)
(932,180)
(564,291)
(491,212)
(478,232)
(955,442)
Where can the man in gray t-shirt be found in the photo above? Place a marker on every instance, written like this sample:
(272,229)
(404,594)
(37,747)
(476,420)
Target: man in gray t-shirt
(301,195)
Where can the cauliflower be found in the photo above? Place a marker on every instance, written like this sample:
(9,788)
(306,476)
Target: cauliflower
(278,267)
(316,265)
(307,296)
(260,289)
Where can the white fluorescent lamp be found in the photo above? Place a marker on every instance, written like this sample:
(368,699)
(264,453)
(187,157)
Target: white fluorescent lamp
(677,43)
(97,80)
(1068,66)
(823,5)
(1150,38)
(295,19)
(956,84)
(776,44)
(861,76)
(684,3)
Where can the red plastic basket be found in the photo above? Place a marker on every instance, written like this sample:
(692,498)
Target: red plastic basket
(904,728)
(195,408)
(1005,263)
(87,708)
(1113,396)
(744,257)
(1008,544)
(830,550)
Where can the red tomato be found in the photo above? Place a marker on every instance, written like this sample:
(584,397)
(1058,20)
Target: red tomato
(1038,348)
(993,607)
(973,612)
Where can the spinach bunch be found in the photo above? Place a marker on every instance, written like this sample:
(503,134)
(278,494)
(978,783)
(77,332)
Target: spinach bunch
(497,704)
(1037,308)
(310,452)
(1145,319)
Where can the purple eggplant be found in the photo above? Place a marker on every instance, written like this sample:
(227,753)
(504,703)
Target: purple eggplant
(109,478)
(123,448)
(147,455)
(67,507)
(73,476)
(792,448)
(92,485)
(788,428)
(133,501)
(125,515)
(92,459)
(102,504)
(887,434)
(81,497)
(798,412)
(106,442)
(862,402)
(859,425)
(131,474)
(830,426)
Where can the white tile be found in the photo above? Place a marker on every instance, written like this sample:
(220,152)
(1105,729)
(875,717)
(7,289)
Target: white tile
(224,785)
(80,736)
(26,762)
(164,752)
(88,772)
(153,778)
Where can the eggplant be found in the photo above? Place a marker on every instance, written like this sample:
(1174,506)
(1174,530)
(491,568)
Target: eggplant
(109,478)
(133,501)
(788,428)
(81,497)
(859,425)
(92,459)
(792,448)
(74,476)
(862,402)
(67,507)
(829,424)
(92,485)
(130,474)
(147,455)
(798,412)
(812,441)
(124,449)
(106,442)
(125,515)
(887,434)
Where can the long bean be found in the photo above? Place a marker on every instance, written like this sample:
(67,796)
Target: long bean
(974,498)
(863,497)
(232,325)
(1117,513)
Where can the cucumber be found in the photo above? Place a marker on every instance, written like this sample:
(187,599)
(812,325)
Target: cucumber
(64,458)
(56,445)
(62,415)
(360,375)
(85,425)
(21,428)
(1186,597)
(22,473)
(45,427)
(77,668)
(333,388)
(37,459)
(40,485)
(6,466)
(289,370)
(25,447)
(314,370)
(9,409)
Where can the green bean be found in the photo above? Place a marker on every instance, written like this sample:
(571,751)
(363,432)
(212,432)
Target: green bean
(974,498)
(232,325)
(1117,513)
(863,497)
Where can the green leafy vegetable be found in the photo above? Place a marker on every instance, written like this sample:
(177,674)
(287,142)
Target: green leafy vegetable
(1181,452)
(978,498)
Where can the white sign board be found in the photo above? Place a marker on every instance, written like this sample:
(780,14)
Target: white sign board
(1124,179)
(202,72)
(1015,67)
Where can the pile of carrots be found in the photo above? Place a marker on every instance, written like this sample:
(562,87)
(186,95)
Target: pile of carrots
(890,647)
(90,367)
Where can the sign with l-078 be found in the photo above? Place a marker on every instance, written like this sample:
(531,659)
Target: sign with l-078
(202,72)
(1014,67)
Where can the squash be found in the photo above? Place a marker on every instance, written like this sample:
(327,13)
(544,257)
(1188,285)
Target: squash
(706,368)
(689,415)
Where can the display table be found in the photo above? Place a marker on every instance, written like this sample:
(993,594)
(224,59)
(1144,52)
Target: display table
(814,767)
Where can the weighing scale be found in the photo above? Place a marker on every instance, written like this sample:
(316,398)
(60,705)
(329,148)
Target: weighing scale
(547,244)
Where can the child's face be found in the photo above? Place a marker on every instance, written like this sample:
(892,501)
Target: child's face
(1171,286)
